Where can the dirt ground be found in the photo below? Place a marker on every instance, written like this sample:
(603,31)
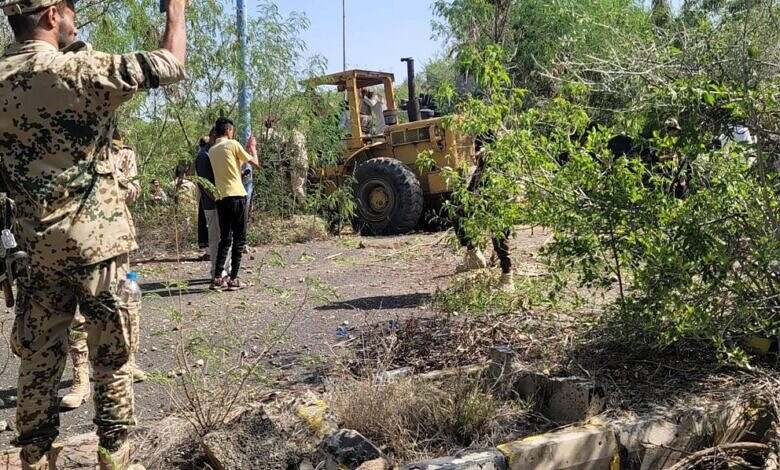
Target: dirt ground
(313,287)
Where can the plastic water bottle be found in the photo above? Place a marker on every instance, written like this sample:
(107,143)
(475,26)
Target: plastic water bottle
(131,293)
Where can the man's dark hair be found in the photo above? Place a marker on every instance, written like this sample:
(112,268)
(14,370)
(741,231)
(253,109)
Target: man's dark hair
(23,25)
(222,126)
(181,170)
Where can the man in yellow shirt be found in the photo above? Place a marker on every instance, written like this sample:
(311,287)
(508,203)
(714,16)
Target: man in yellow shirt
(226,157)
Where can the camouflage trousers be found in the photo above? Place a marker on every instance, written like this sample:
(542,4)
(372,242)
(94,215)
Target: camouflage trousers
(48,301)
(298,175)
(77,340)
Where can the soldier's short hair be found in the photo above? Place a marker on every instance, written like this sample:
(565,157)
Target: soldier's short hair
(222,126)
(23,25)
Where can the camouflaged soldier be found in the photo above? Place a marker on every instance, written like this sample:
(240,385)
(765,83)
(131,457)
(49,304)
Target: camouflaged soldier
(126,166)
(57,103)
(299,167)
(126,171)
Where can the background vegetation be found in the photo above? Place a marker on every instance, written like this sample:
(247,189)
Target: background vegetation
(683,223)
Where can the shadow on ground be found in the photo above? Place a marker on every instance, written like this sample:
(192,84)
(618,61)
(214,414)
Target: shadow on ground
(381,302)
(160,289)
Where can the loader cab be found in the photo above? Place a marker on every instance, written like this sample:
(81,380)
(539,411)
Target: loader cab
(354,83)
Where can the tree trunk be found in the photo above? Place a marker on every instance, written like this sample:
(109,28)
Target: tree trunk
(661,12)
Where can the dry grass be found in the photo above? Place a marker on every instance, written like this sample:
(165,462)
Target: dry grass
(296,229)
(155,226)
(414,419)
(169,443)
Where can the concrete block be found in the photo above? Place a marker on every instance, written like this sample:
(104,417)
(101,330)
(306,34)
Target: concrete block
(565,400)
(642,443)
(570,399)
(582,448)
(490,459)
(377,464)
(528,384)
(502,362)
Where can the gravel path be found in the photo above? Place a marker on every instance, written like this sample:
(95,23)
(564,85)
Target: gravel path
(343,279)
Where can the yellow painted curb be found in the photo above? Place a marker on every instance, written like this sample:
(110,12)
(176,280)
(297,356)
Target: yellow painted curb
(314,414)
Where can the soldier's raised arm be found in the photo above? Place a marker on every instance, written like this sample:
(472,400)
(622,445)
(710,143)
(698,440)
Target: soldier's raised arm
(175,38)
(114,79)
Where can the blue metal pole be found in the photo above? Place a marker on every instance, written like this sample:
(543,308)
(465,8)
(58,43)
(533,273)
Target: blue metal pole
(245,117)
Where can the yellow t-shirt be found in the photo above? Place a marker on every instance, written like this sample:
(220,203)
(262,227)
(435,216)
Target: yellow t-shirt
(226,157)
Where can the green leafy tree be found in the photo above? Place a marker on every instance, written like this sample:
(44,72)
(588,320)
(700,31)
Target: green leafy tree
(536,33)
(684,224)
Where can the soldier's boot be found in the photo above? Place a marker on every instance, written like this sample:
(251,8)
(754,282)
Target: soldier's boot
(47,462)
(507,283)
(474,259)
(138,374)
(79,391)
(119,460)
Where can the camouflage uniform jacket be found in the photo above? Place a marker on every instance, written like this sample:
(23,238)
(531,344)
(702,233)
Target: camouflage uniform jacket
(126,166)
(299,157)
(291,148)
(56,115)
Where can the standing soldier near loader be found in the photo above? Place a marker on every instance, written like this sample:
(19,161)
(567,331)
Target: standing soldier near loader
(299,167)
(58,101)
(126,166)
(127,170)
(293,152)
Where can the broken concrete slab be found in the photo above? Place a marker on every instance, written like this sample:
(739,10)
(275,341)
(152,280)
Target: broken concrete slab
(590,447)
(456,372)
(395,374)
(250,441)
(490,459)
(656,442)
(350,448)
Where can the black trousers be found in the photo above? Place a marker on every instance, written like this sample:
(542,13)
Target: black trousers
(203,231)
(232,230)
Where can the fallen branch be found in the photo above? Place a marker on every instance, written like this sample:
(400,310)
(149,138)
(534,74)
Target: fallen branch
(695,458)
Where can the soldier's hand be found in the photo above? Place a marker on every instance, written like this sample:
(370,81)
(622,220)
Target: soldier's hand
(132,193)
(251,145)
